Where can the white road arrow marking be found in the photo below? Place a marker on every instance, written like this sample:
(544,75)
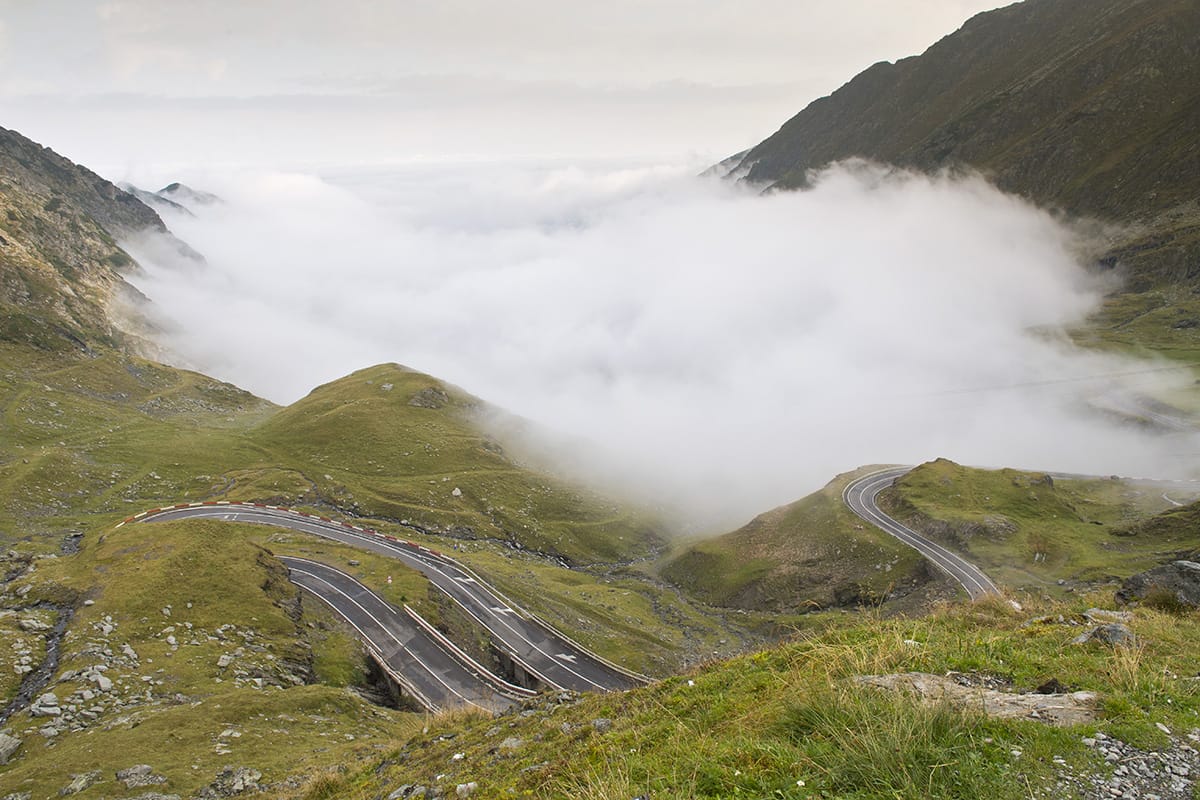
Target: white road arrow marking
(502,610)
(565,657)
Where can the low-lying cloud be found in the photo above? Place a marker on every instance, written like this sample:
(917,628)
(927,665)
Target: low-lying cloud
(723,351)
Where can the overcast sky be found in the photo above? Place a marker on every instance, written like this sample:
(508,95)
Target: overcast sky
(126,83)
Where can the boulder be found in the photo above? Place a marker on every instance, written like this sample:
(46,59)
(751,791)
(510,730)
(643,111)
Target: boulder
(80,782)
(1114,634)
(1102,615)
(45,706)
(8,747)
(1177,582)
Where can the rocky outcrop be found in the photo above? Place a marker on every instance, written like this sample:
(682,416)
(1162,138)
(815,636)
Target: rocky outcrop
(1062,709)
(232,781)
(140,775)
(1113,634)
(1176,584)
(39,171)
(8,747)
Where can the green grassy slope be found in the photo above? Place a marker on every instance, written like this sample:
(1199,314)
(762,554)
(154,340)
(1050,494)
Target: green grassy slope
(92,438)
(811,554)
(394,443)
(1031,531)
(790,722)
(172,704)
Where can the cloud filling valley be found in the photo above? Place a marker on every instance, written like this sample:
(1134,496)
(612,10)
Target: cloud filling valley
(711,348)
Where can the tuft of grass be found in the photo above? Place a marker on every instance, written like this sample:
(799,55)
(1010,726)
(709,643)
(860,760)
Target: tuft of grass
(863,743)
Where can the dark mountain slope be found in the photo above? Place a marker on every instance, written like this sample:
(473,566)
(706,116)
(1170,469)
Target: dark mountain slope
(1091,106)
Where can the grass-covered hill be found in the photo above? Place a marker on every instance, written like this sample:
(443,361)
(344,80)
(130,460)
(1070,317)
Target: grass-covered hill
(390,442)
(812,554)
(1042,533)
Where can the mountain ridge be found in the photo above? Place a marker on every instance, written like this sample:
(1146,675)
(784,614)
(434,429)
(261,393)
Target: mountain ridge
(62,271)
(1086,106)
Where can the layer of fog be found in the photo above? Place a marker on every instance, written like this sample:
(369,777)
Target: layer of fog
(724,352)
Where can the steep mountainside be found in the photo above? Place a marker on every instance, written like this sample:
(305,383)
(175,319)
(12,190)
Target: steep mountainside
(1090,106)
(60,264)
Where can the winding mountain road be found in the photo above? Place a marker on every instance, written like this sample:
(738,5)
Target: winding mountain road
(860,496)
(534,646)
(430,671)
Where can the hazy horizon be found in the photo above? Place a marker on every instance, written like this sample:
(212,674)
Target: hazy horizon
(127,86)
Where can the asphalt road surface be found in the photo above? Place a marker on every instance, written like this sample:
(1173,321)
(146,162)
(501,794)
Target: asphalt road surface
(539,650)
(433,675)
(860,496)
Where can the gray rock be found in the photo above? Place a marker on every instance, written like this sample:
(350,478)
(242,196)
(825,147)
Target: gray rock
(1179,579)
(466,789)
(140,775)
(602,725)
(1114,634)
(80,782)
(430,397)
(1101,615)
(1074,708)
(232,781)
(45,706)
(408,792)
(18,796)
(8,747)
(511,743)
(155,796)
